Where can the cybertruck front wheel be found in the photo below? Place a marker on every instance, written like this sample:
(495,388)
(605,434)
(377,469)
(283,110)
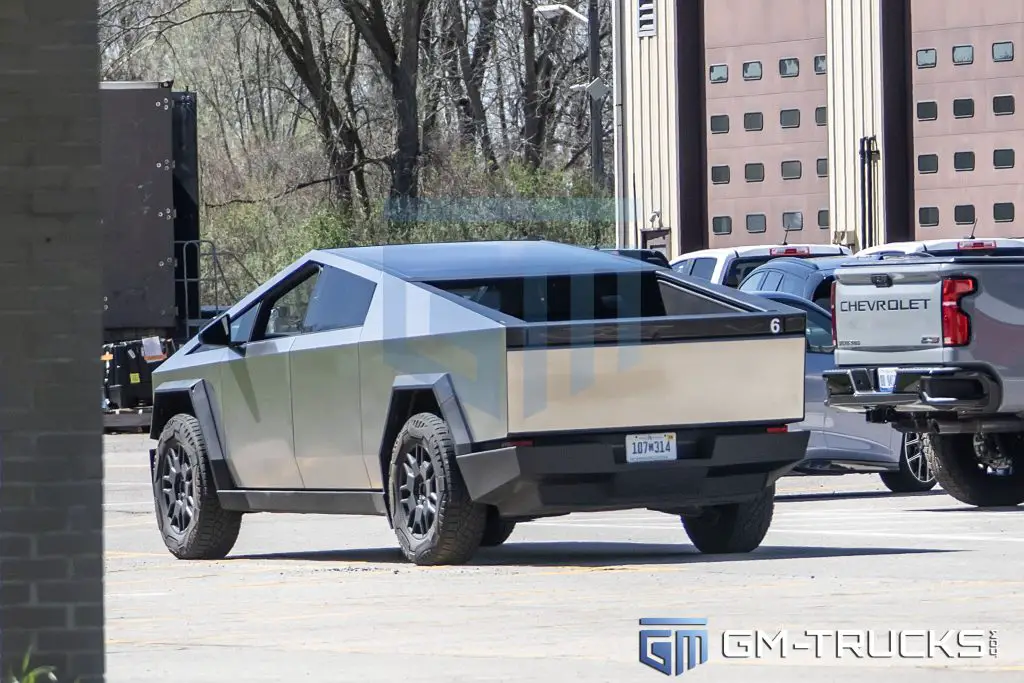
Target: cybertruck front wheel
(434,518)
(732,528)
(189,516)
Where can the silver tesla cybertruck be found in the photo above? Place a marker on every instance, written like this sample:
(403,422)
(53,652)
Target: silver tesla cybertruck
(457,389)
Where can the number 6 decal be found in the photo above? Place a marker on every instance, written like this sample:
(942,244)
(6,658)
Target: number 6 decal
(776,326)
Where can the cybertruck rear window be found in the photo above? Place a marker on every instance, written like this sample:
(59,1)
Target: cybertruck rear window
(568,298)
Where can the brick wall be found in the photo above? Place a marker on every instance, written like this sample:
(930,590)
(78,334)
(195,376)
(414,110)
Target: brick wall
(51,470)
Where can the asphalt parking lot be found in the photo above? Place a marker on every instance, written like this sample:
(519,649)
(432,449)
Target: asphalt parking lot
(330,598)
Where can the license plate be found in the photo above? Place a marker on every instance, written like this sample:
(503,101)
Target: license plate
(650,447)
(886,379)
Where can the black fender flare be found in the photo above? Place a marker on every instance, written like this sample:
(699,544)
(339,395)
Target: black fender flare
(404,390)
(192,396)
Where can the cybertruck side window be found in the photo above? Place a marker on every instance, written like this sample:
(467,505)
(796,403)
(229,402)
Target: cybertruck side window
(283,314)
(340,300)
(241,327)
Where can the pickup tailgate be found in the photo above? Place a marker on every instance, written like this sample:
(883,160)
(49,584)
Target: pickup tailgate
(889,314)
(739,369)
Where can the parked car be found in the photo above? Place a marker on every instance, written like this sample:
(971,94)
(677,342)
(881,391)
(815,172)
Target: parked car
(842,443)
(807,278)
(647,255)
(457,389)
(974,246)
(729,265)
(934,346)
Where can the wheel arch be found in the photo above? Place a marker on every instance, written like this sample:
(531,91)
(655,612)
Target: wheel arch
(412,394)
(192,397)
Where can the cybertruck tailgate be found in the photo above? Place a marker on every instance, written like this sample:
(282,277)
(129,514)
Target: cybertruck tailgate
(745,373)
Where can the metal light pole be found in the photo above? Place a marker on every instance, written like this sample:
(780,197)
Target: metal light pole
(596,90)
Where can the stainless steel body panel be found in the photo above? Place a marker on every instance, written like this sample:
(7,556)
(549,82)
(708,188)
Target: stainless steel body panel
(650,385)
(256,411)
(327,410)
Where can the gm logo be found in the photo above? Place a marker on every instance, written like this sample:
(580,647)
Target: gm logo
(675,651)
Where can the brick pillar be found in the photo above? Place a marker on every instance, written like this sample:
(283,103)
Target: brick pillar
(51,467)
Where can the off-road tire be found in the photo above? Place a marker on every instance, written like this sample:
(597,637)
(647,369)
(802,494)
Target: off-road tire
(732,528)
(905,480)
(496,530)
(953,460)
(458,524)
(212,531)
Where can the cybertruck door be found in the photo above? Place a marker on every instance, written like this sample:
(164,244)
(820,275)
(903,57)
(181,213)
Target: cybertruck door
(326,398)
(256,390)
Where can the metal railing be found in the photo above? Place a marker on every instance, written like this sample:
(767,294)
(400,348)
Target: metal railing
(204,282)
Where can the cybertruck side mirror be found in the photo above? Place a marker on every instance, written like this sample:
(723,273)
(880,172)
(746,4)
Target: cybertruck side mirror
(217,333)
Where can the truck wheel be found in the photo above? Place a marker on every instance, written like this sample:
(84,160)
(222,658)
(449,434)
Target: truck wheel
(496,530)
(434,518)
(190,518)
(954,461)
(733,528)
(915,474)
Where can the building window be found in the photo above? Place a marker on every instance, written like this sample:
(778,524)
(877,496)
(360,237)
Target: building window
(721,225)
(1003,158)
(963,54)
(928,163)
(1002,52)
(823,219)
(1002,212)
(754,173)
(752,71)
(789,118)
(963,108)
(1003,105)
(719,73)
(756,222)
(821,116)
(791,170)
(753,120)
(822,166)
(963,161)
(928,216)
(646,20)
(820,64)
(963,214)
(720,175)
(792,220)
(927,111)
(789,67)
(926,58)
(719,124)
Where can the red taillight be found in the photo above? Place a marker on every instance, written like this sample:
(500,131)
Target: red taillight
(956,325)
(523,442)
(969,245)
(789,251)
(778,430)
(833,306)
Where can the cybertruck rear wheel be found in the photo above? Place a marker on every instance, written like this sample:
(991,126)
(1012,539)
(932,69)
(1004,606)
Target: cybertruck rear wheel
(496,530)
(732,528)
(190,518)
(434,518)
(959,464)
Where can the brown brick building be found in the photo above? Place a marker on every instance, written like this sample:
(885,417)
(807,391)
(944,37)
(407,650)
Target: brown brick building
(850,121)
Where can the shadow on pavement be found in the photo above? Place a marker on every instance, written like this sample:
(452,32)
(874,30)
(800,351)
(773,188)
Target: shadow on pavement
(852,495)
(591,554)
(968,508)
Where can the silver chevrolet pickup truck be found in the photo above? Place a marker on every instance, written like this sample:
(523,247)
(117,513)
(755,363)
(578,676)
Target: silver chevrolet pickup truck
(935,345)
